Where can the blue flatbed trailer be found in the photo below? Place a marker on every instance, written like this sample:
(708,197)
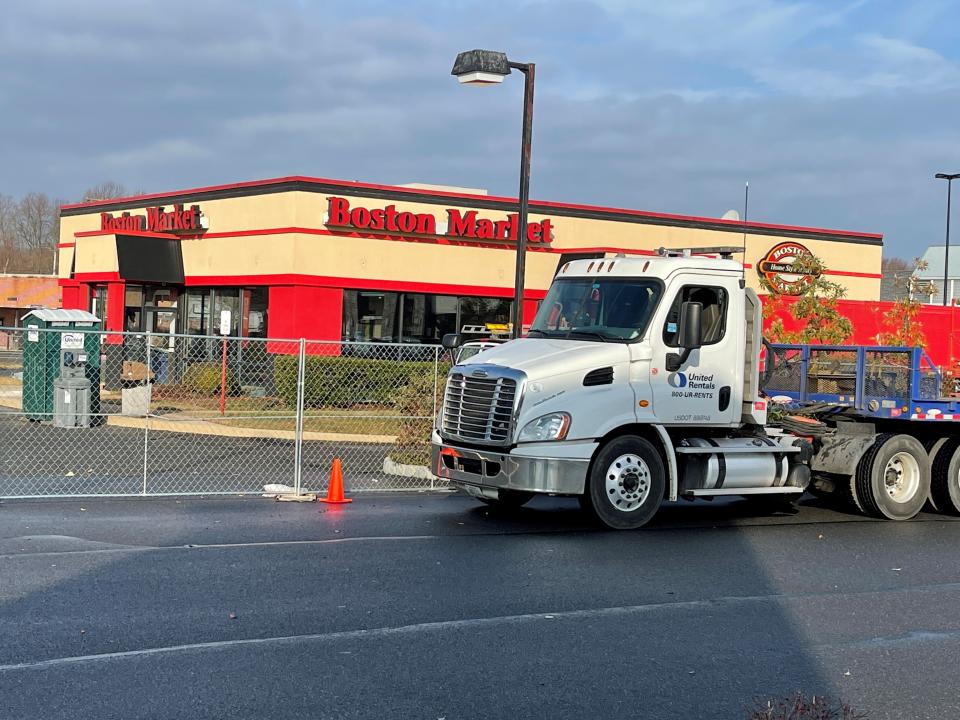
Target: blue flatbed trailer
(880,428)
(876,382)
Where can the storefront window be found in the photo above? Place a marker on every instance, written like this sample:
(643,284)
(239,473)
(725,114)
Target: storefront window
(255,312)
(371,316)
(133,309)
(477,311)
(414,317)
(427,318)
(197,312)
(98,303)
(226,299)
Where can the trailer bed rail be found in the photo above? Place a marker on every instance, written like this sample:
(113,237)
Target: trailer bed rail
(896,383)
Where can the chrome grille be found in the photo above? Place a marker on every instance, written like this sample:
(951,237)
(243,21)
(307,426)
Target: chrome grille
(479,409)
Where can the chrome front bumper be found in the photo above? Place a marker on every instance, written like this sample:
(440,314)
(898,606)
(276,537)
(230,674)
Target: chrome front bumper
(482,472)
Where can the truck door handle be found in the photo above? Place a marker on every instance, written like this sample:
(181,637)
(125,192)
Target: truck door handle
(724,397)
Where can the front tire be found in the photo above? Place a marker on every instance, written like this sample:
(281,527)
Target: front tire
(626,484)
(893,478)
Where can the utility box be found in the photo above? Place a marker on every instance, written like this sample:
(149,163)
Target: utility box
(48,334)
(71,391)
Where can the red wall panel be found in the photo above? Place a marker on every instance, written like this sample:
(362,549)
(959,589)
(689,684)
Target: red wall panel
(298,311)
(940,325)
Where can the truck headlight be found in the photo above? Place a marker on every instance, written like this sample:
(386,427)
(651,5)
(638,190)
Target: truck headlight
(546,427)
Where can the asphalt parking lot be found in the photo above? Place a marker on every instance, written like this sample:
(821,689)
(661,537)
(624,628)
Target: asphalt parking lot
(433,606)
(39,459)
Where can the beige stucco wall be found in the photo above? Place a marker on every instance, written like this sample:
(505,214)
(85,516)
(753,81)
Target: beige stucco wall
(366,258)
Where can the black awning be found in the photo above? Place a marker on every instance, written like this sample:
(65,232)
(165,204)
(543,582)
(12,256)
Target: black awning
(150,259)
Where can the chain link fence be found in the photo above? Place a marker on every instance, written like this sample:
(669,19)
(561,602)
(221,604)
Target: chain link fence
(87,412)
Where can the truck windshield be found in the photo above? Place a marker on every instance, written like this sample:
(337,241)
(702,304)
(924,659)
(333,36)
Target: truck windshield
(600,309)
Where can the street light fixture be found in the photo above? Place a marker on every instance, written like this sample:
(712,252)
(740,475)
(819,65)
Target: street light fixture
(946,247)
(486,67)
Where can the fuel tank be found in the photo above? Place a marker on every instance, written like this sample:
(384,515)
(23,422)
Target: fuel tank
(733,469)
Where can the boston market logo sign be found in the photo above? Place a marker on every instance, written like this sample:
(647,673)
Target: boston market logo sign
(462,225)
(780,271)
(157,219)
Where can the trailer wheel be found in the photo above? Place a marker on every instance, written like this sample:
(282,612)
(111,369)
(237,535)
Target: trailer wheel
(893,478)
(509,499)
(627,481)
(945,475)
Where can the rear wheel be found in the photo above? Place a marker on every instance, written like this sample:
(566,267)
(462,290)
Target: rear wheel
(893,478)
(627,481)
(945,475)
(509,499)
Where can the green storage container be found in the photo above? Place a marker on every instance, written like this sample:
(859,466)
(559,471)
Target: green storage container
(41,357)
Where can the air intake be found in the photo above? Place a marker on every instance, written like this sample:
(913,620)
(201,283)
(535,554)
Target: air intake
(600,376)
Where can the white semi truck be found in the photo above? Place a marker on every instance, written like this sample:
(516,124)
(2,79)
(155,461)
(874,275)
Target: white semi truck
(641,381)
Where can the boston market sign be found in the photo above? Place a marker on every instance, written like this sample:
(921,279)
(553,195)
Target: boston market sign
(786,268)
(157,219)
(462,225)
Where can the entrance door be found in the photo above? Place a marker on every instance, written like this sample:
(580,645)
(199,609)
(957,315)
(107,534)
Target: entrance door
(708,388)
(163,326)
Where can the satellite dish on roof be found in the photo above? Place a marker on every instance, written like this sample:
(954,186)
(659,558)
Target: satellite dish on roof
(730,215)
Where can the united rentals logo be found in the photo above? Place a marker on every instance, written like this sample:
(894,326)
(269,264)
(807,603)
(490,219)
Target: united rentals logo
(788,269)
(677,380)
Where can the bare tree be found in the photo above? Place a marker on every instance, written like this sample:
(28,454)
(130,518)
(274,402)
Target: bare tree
(895,266)
(8,248)
(37,228)
(894,283)
(105,191)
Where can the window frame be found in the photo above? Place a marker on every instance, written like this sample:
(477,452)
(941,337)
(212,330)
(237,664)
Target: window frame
(724,304)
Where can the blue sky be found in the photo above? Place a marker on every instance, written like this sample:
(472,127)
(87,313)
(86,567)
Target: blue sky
(838,113)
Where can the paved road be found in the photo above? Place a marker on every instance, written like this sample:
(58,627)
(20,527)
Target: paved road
(426,606)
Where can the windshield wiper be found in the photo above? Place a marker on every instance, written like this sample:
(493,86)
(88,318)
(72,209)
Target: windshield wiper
(591,333)
(539,332)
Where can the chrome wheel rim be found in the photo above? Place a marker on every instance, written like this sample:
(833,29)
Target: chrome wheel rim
(627,482)
(901,477)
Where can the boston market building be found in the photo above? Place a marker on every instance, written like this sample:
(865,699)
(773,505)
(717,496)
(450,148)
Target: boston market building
(334,260)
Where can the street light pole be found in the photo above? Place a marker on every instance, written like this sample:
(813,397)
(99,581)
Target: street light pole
(526,144)
(485,67)
(946,248)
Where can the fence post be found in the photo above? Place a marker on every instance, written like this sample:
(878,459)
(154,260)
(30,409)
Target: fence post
(146,418)
(436,381)
(298,433)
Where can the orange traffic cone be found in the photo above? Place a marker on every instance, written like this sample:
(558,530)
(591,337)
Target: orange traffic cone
(335,488)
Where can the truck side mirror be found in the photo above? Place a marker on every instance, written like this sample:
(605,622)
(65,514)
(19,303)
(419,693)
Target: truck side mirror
(689,336)
(691,326)
(451,341)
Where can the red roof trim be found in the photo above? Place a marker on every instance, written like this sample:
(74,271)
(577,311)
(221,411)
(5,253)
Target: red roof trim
(360,186)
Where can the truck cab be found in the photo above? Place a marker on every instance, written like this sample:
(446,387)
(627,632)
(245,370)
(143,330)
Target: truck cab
(632,368)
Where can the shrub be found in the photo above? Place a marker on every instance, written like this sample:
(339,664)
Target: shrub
(799,707)
(346,381)
(203,378)
(414,404)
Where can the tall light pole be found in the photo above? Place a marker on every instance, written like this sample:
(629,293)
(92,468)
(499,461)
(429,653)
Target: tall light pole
(485,67)
(946,247)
